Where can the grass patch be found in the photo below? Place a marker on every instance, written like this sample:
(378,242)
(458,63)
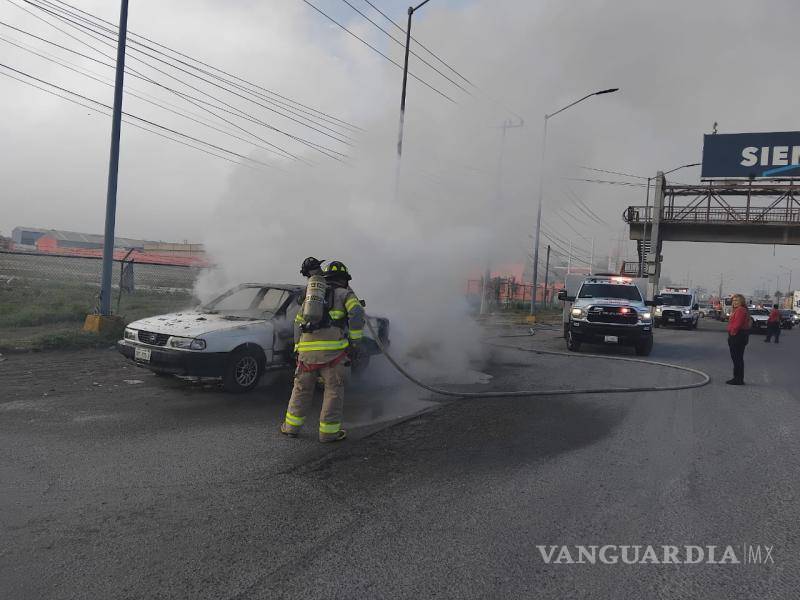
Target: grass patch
(37,315)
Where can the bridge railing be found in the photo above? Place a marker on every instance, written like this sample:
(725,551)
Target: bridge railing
(715,214)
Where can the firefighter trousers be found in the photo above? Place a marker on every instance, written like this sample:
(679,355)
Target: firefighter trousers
(330,417)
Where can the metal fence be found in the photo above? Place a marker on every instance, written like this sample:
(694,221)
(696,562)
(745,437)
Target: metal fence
(48,291)
(507,293)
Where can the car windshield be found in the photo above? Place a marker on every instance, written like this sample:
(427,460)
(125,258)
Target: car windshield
(610,290)
(676,299)
(728,301)
(759,311)
(250,302)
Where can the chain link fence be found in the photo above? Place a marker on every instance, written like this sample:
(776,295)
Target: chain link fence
(46,294)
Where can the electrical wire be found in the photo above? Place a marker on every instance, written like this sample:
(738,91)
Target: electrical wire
(402,45)
(112,35)
(374,49)
(129,115)
(615,173)
(132,34)
(285,103)
(133,92)
(108,41)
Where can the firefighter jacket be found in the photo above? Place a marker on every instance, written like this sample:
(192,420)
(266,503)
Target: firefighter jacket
(327,343)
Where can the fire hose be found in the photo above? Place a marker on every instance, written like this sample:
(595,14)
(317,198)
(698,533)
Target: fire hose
(704,378)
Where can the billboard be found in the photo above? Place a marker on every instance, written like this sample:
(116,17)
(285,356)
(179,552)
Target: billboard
(751,155)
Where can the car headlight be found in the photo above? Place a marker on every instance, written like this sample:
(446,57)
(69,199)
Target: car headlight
(577,312)
(646,316)
(686,312)
(187,343)
(658,310)
(131,334)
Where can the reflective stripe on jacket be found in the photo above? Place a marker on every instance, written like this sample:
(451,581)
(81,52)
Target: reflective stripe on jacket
(324,345)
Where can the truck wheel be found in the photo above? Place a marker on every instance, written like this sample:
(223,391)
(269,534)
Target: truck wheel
(242,371)
(644,348)
(695,323)
(656,323)
(573,345)
(566,330)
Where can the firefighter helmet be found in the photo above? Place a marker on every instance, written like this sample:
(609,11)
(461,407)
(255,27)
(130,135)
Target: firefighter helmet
(310,264)
(337,270)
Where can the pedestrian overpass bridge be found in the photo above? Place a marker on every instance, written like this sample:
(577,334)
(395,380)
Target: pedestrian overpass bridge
(746,213)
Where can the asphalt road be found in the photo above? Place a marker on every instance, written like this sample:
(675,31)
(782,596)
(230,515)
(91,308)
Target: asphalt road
(162,489)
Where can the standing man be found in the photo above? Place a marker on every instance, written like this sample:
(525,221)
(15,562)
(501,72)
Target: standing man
(322,348)
(738,336)
(773,324)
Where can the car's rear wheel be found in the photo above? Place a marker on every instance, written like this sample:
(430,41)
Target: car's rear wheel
(242,371)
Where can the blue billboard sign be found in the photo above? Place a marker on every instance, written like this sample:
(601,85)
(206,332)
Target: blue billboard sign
(751,155)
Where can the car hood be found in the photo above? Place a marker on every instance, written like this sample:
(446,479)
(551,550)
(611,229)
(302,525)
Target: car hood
(760,317)
(608,302)
(191,323)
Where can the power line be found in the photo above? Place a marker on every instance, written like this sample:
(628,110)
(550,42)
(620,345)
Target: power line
(624,183)
(420,44)
(133,92)
(318,147)
(402,45)
(615,173)
(131,116)
(137,75)
(111,34)
(374,49)
(93,34)
(218,70)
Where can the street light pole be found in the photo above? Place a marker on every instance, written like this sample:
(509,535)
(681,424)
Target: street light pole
(541,191)
(411,11)
(113,166)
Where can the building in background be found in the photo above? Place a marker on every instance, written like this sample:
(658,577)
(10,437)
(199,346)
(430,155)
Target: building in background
(90,245)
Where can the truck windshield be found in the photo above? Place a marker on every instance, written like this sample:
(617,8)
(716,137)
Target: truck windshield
(609,290)
(676,299)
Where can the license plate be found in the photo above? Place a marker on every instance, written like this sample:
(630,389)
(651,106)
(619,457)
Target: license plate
(671,319)
(611,339)
(142,354)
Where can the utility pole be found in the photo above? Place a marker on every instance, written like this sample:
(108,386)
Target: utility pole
(507,124)
(569,257)
(113,166)
(546,272)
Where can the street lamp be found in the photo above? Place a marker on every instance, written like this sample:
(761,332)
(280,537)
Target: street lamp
(411,11)
(682,167)
(541,191)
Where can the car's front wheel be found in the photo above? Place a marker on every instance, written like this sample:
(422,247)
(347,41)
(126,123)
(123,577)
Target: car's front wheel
(644,348)
(242,371)
(573,345)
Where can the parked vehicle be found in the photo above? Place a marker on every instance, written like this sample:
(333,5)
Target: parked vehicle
(705,310)
(788,318)
(237,337)
(607,309)
(679,307)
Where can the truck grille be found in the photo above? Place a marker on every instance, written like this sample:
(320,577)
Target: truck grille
(671,314)
(620,315)
(154,339)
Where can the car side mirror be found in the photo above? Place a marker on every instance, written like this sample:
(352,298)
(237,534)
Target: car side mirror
(562,295)
(696,307)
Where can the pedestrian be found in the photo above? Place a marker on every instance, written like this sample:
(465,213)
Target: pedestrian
(738,336)
(773,324)
(323,344)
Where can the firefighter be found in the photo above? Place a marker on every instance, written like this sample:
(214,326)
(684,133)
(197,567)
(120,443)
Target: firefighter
(323,345)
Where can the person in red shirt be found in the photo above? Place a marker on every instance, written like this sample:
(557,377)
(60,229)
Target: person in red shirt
(773,324)
(738,336)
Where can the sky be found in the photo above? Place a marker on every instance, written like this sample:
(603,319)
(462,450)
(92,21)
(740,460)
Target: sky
(466,195)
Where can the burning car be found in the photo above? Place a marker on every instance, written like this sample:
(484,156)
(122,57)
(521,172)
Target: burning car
(237,337)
